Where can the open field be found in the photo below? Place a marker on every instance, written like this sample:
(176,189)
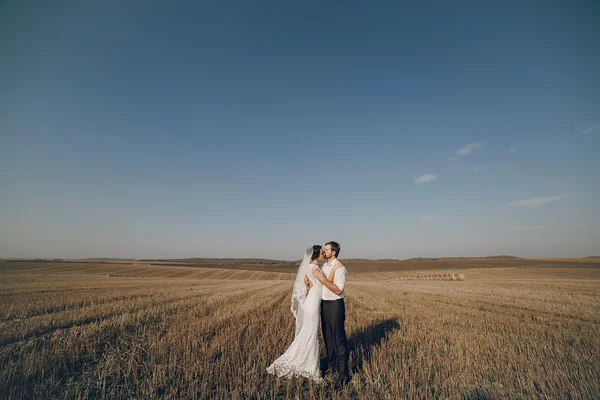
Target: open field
(70,330)
(355,265)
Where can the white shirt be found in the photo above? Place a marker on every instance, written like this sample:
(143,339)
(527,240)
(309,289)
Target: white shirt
(339,279)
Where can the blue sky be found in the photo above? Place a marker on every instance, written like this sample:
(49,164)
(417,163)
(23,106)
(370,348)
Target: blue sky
(251,129)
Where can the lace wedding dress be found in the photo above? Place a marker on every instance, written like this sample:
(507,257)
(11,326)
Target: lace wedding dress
(302,357)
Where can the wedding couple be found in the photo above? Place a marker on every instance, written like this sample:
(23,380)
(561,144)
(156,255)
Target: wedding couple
(325,303)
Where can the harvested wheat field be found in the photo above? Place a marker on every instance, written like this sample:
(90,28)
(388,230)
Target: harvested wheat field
(89,330)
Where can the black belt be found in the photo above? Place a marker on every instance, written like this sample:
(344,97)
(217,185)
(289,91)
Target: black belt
(332,301)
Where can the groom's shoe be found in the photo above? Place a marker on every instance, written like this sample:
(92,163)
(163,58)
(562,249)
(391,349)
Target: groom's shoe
(330,371)
(332,368)
(340,382)
(330,375)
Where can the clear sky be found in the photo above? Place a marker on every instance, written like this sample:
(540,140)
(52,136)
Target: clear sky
(251,129)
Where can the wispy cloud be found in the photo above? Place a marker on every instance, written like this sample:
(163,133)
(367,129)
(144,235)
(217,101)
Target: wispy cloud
(590,129)
(478,168)
(537,227)
(512,150)
(468,149)
(538,201)
(427,217)
(527,227)
(426,178)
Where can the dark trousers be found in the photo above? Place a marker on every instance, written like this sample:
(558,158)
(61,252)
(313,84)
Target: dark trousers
(333,316)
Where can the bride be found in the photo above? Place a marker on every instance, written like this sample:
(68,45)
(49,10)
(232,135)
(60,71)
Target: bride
(302,357)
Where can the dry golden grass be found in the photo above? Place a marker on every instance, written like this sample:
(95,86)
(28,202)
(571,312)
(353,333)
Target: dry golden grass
(71,331)
(355,265)
(142,270)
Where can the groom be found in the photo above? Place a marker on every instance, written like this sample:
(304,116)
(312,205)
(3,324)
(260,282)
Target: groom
(333,313)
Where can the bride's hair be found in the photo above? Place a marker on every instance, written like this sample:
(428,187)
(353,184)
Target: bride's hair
(316,252)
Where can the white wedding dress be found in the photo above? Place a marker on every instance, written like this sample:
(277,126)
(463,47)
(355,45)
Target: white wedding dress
(302,357)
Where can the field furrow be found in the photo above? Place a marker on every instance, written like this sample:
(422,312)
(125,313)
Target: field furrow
(92,336)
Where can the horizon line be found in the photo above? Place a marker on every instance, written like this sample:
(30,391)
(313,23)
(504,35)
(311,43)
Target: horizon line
(153,259)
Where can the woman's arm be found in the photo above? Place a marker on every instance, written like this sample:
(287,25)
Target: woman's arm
(329,285)
(332,273)
(308,282)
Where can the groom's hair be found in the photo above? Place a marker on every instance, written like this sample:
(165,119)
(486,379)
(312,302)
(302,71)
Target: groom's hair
(335,246)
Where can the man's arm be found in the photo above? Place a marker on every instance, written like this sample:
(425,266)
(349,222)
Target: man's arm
(323,279)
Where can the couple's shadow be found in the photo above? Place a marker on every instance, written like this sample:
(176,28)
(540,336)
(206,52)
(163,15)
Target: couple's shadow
(363,341)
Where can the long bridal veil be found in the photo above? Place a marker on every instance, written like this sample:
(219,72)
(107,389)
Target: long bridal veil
(299,291)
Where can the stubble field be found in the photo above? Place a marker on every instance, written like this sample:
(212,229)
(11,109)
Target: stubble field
(142,331)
